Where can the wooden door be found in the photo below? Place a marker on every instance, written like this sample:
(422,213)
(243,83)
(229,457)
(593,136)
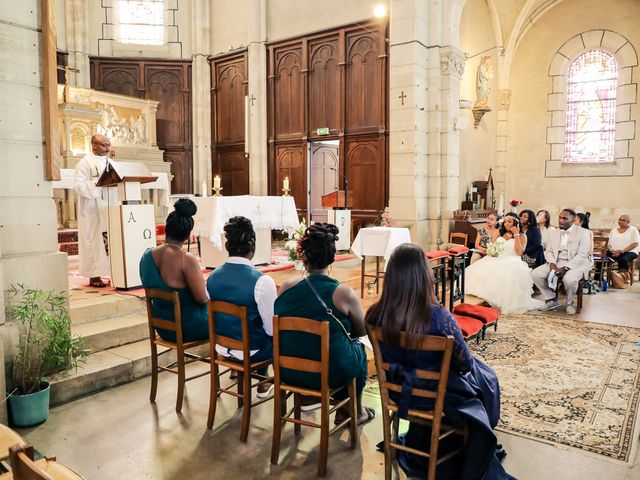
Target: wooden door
(323,178)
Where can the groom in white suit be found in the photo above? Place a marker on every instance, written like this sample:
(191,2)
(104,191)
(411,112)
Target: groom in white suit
(567,253)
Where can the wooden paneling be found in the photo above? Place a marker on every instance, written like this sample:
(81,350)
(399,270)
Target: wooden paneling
(229,82)
(168,82)
(335,79)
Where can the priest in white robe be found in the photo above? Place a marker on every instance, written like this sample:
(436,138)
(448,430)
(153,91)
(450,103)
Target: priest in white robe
(92,212)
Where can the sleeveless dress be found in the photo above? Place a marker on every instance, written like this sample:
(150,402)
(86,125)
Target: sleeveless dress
(503,281)
(195,319)
(346,359)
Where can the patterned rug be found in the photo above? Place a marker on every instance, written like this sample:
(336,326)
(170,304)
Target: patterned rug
(568,382)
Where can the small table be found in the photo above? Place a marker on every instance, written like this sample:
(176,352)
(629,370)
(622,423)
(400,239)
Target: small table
(377,242)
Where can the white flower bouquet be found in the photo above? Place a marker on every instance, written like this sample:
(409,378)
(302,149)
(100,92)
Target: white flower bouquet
(496,248)
(292,245)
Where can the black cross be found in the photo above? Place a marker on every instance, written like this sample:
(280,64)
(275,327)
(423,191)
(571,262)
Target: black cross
(402,97)
(252,99)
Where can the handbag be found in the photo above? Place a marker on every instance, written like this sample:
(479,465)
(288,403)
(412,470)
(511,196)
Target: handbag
(330,312)
(619,280)
(531,262)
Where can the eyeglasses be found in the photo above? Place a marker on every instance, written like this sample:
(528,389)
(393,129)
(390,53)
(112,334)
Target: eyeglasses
(102,144)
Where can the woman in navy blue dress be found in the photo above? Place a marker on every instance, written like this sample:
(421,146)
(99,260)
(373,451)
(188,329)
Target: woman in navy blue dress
(408,304)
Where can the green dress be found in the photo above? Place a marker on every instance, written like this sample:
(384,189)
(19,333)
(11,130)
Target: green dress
(347,360)
(195,319)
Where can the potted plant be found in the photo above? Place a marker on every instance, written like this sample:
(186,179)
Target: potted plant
(46,346)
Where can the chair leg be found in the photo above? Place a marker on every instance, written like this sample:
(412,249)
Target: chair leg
(324,437)
(353,412)
(246,406)
(277,425)
(240,388)
(213,397)
(433,455)
(181,380)
(362,278)
(154,372)
(388,449)
(297,412)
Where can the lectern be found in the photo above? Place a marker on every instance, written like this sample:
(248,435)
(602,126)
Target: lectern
(338,214)
(131,226)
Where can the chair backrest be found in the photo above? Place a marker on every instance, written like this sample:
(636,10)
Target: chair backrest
(600,245)
(420,343)
(8,438)
(22,465)
(305,325)
(459,238)
(218,306)
(155,322)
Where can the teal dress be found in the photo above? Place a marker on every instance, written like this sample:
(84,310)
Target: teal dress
(195,319)
(347,360)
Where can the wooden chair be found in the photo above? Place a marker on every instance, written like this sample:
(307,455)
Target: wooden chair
(579,293)
(8,439)
(22,465)
(178,346)
(284,391)
(613,265)
(247,370)
(456,272)
(438,260)
(432,418)
(600,259)
(459,238)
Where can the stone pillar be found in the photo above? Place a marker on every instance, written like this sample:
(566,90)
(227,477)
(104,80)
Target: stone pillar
(500,178)
(76,21)
(201,95)
(28,222)
(3,388)
(409,191)
(257,70)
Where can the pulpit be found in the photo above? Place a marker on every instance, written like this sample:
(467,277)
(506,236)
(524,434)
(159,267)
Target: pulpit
(131,225)
(339,215)
(337,199)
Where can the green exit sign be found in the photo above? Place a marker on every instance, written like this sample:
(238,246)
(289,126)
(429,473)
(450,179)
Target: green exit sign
(323,131)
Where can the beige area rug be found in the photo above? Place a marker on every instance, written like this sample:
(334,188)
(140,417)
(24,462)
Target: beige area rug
(567,382)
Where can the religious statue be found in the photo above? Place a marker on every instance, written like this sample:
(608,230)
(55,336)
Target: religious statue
(484,76)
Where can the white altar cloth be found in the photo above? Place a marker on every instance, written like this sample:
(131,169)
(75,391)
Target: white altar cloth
(266,213)
(379,241)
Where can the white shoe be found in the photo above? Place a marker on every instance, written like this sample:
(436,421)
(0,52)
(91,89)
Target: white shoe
(552,305)
(267,393)
(571,310)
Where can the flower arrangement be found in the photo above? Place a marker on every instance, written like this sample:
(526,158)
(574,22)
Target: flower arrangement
(386,218)
(515,203)
(496,248)
(292,245)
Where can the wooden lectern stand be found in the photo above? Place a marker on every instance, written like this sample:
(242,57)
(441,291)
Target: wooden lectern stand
(340,216)
(131,226)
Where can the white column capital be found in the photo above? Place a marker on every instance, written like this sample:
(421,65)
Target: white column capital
(452,61)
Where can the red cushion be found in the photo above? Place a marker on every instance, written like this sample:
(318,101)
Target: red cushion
(458,250)
(469,326)
(160,229)
(437,254)
(486,315)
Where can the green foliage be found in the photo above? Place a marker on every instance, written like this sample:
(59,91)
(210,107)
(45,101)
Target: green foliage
(46,344)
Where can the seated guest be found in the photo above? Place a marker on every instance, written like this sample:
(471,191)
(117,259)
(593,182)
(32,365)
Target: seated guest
(237,281)
(544,224)
(624,242)
(582,220)
(534,252)
(408,304)
(504,281)
(309,297)
(169,268)
(568,254)
(485,236)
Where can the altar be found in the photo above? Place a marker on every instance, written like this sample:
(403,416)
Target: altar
(266,214)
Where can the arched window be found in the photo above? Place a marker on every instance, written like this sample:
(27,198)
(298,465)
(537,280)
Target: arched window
(590,131)
(141,22)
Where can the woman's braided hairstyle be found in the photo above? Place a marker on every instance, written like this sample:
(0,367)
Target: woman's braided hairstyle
(180,222)
(241,238)
(318,245)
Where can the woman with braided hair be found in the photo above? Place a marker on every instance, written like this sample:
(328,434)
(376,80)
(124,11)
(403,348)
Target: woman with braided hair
(170,268)
(309,297)
(237,281)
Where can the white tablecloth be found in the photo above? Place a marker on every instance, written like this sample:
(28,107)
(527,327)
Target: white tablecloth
(379,241)
(272,213)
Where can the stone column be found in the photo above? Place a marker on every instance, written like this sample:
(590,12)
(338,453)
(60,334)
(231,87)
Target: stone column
(257,70)
(500,179)
(28,222)
(408,190)
(201,95)
(76,22)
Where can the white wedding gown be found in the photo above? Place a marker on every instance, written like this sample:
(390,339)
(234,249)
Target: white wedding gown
(503,281)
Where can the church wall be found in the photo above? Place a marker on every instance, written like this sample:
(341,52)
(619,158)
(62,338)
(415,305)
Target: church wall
(229,25)
(477,145)
(605,197)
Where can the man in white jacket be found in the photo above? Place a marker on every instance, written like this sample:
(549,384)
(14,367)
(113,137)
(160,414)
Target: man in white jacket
(567,253)
(92,212)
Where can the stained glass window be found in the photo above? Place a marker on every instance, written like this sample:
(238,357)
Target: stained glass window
(591,108)
(141,22)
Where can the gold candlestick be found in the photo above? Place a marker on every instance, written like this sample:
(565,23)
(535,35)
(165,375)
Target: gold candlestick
(286,192)
(217,190)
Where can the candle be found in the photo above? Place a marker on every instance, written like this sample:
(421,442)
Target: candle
(285,183)
(216,182)
(204,189)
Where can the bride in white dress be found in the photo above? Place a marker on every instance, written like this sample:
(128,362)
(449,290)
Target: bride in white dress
(504,281)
